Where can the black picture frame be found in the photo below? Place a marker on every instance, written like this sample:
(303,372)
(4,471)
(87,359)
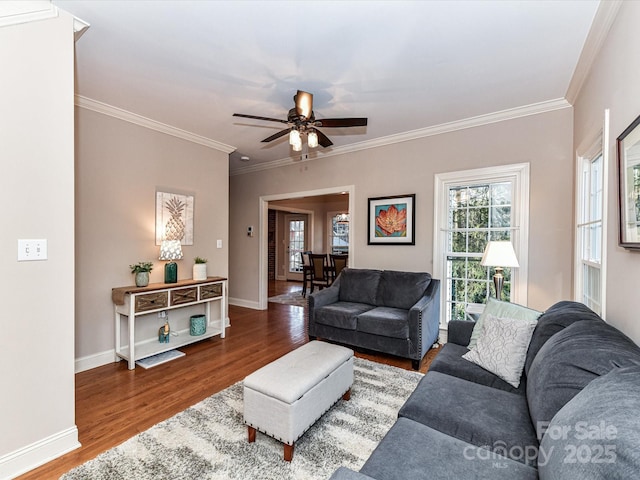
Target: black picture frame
(628,153)
(391,220)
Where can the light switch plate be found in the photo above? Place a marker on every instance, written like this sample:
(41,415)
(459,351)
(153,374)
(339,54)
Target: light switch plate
(30,250)
(219,244)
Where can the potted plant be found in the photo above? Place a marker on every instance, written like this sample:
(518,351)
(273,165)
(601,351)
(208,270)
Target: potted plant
(200,268)
(141,271)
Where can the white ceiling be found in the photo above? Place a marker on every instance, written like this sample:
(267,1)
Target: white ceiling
(404,65)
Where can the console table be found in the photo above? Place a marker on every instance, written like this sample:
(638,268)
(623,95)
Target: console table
(132,302)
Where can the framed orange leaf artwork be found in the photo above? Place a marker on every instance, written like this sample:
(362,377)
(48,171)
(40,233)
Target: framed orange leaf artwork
(391,220)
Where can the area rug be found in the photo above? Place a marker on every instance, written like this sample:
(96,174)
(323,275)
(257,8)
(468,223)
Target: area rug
(292,298)
(209,441)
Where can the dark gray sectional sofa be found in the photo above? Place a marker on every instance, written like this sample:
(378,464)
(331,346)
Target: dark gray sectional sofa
(575,414)
(381,310)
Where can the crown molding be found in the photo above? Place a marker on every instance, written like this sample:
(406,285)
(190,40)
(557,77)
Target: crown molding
(472,122)
(602,22)
(14,12)
(115,112)
(79,27)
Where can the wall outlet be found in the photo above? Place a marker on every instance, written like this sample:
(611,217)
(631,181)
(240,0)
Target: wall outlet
(30,250)
(162,314)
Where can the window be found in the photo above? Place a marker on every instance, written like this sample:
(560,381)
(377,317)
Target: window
(296,243)
(472,208)
(339,233)
(590,249)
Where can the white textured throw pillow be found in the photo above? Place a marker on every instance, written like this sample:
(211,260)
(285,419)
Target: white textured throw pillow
(502,347)
(501,309)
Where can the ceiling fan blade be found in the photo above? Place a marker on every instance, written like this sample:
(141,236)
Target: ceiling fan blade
(275,136)
(343,122)
(304,103)
(259,118)
(323,139)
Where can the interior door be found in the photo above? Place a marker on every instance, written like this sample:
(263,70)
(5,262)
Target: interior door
(296,242)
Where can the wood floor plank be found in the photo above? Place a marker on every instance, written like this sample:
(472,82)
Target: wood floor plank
(114,403)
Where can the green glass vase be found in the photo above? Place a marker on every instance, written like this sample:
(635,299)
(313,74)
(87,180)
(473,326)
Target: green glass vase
(171,272)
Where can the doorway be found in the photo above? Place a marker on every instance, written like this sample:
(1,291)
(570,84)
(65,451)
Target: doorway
(312,243)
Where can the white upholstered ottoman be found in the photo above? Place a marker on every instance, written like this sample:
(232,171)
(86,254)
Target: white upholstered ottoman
(284,398)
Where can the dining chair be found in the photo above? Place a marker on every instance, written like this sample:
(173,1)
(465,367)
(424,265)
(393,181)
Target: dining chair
(319,270)
(306,271)
(338,262)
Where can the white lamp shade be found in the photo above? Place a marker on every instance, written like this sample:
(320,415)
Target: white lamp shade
(170,250)
(499,254)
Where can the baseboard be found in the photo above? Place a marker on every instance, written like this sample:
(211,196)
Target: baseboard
(32,456)
(95,360)
(239,302)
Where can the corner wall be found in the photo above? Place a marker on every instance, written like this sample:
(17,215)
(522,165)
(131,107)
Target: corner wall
(37,198)
(544,140)
(614,83)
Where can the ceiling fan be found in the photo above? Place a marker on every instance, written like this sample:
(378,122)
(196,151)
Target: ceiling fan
(302,120)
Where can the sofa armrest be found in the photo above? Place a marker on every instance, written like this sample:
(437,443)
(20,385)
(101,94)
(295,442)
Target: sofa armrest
(344,473)
(459,331)
(325,296)
(424,321)
(319,299)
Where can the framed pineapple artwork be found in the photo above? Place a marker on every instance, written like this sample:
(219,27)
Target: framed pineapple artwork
(174,217)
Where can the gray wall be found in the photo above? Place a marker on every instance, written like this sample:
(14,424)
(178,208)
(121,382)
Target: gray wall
(119,167)
(544,140)
(37,198)
(614,83)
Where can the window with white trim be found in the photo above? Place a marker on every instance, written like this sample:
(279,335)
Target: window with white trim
(472,208)
(591,181)
(338,232)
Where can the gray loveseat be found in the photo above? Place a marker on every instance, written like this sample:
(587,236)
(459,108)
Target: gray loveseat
(382,310)
(575,414)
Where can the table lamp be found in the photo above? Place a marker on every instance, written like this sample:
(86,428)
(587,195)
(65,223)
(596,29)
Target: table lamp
(170,250)
(499,255)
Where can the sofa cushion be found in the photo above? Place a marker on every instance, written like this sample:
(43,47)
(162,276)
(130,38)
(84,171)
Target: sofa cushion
(412,451)
(503,310)
(502,347)
(385,321)
(449,360)
(343,473)
(341,314)
(556,318)
(401,289)
(570,360)
(483,416)
(597,433)
(359,285)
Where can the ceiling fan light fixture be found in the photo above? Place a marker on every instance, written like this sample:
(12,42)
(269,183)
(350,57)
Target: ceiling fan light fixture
(297,147)
(312,139)
(294,139)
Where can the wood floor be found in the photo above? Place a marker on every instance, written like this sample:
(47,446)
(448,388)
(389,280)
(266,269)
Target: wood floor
(114,403)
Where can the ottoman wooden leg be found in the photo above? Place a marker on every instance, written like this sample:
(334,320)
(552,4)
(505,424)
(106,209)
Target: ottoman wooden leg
(252,434)
(288,452)
(347,395)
